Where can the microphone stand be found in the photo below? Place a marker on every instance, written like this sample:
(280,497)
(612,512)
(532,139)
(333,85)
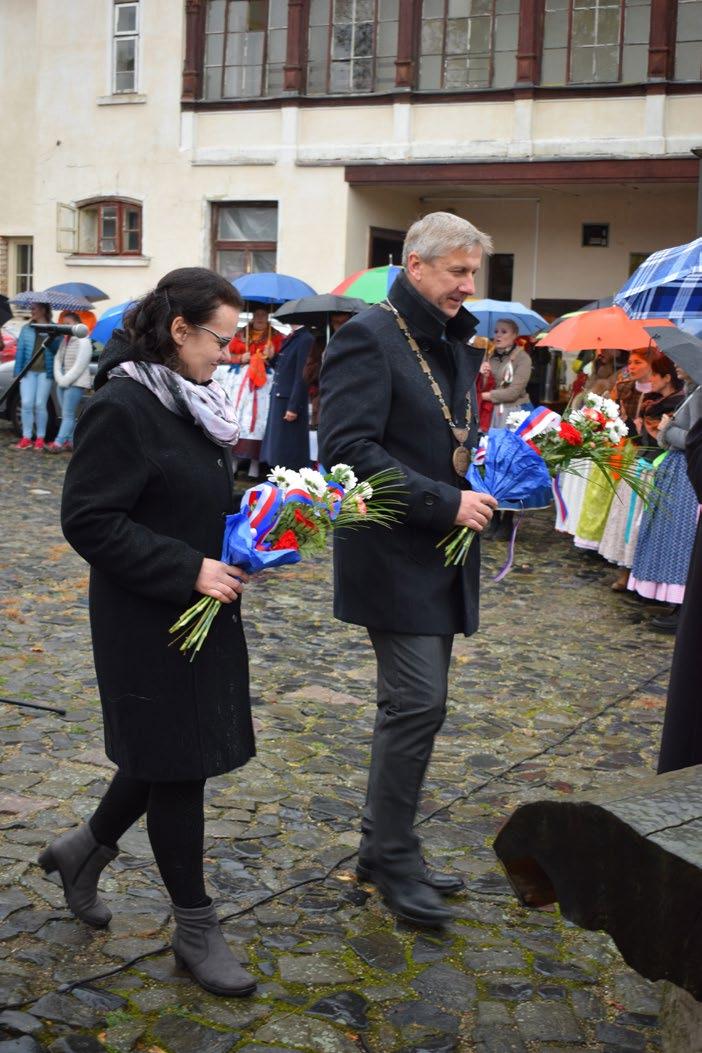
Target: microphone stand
(15,383)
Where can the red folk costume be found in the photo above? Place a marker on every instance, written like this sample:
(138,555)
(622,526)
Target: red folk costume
(249,384)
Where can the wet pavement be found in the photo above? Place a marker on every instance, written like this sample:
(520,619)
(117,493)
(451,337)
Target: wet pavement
(563,689)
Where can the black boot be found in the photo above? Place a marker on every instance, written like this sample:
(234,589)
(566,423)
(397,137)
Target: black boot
(200,947)
(80,860)
(412,900)
(667,623)
(445,884)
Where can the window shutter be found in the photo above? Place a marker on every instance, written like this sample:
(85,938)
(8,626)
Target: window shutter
(66,228)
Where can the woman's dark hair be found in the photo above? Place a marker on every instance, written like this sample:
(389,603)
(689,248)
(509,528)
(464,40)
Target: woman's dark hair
(194,293)
(46,310)
(662,366)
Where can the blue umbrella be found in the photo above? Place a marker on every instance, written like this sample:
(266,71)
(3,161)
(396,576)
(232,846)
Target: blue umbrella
(90,292)
(270,287)
(110,320)
(488,311)
(57,301)
(667,285)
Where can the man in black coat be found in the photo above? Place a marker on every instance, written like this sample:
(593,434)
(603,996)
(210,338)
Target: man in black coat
(286,440)
(397,391)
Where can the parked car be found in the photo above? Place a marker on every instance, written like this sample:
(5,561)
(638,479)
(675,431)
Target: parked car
(10,408)
(8,339)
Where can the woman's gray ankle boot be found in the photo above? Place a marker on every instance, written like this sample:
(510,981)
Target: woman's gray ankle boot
(200,947)
(80,860)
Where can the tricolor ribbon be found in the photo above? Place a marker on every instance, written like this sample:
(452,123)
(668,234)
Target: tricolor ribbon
(539,420)
(560,501)
(261,505)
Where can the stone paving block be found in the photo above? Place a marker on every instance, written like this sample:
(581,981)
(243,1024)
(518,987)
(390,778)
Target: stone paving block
(447,987)
(345,1007)
(305,1033)
(322,970)
(493,1013)
(547,1022)
(498,1038)
(381,951)
(124,1036)
(617,1039)
(19,1021)
(25,1044)
(177,1034)
(66,1009)
(77,1043)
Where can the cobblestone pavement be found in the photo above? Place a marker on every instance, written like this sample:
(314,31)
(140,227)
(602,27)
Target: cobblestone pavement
(563,688)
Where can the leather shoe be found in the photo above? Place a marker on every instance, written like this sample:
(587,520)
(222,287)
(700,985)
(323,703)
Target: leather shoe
(412,900)
(666,623)
(446,884)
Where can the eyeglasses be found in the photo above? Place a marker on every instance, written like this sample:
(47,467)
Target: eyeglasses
(223,341)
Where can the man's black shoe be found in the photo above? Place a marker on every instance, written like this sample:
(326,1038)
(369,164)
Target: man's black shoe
(666,623)
(446,884)
(413,901)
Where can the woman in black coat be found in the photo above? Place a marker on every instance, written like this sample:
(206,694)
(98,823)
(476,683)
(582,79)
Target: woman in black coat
(144,501)
(287,440)
(681,746)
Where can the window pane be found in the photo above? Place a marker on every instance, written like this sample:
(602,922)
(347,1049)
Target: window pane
(343,11)
(634,63)
(339,76)
(215,16)
(505,71)
(506,33)
(432,37)
(319,13)
(363,75)
(88,230)
(583,28)
(277,14)
(386,45)
(363,40)
(277,44)
(637,23)
(385,74)
(263,261)
(553,66)
(433,9)
(214,49)
(457,36)
(582,70)
(125,64)
(231,264)
(607,64)
(430,72)
(342,38)
(556,29)
(125,18)
(213,83)
(388,10)
(365,11)
(247,223)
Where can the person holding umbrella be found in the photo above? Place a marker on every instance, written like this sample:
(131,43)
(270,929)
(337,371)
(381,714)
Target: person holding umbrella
(72,376)
(35,385)
(286,440)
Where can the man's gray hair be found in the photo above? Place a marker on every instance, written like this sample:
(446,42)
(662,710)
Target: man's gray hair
(439,233)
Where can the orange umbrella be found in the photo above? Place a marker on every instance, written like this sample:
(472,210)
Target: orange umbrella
(608,327)
(88,318)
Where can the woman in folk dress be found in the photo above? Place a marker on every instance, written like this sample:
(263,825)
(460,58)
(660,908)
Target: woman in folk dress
(248,382)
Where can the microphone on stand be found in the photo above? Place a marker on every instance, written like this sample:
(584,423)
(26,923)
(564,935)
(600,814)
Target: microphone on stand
(60,330)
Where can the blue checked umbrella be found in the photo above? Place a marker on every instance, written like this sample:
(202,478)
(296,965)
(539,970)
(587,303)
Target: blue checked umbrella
(90,292)
(57,301)
(666,285)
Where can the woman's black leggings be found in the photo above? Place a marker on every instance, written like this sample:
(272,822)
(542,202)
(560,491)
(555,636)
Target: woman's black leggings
(175,820)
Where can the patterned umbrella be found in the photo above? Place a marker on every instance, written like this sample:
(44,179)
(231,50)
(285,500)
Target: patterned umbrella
(90,292)
(371,285)
(666,285)
(488,311)
(270,287)
(57,301)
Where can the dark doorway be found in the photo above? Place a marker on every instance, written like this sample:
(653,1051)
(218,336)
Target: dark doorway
(385,247)
(500,273)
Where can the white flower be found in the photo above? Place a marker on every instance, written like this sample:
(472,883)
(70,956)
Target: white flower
(596,401)
(576,417)
(314,481)
(515,419)
(616,430)
(343,473)
(293,480)
(278,476)
(365,490)
(610,409)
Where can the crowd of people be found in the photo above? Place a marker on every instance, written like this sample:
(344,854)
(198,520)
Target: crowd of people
(649,544)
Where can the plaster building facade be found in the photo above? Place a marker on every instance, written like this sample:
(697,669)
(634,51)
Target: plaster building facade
(306,135)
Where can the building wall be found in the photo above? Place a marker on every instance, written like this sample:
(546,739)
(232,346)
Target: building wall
(77,142)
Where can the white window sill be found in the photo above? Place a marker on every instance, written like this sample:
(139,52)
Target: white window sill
(121,99)
(108,261)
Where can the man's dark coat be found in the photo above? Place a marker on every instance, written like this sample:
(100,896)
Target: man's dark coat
(144,500)
(681,746)
(287,442)
(378,411)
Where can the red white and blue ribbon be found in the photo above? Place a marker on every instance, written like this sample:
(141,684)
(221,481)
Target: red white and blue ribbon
(560,501)
(539,420)
(261,505)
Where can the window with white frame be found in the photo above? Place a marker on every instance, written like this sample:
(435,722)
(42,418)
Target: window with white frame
(23,266)
(245,237)
(125,46)
(101,227)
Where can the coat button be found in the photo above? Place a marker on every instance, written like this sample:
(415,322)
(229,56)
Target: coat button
(428,499)
(220,462)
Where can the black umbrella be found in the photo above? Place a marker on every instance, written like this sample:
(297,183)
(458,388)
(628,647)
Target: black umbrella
(684,348)
(315,310)
(5,310)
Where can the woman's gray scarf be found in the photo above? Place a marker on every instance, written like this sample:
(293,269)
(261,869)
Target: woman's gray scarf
(206,405)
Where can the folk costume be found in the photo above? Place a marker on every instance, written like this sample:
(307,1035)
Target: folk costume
(249,385)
